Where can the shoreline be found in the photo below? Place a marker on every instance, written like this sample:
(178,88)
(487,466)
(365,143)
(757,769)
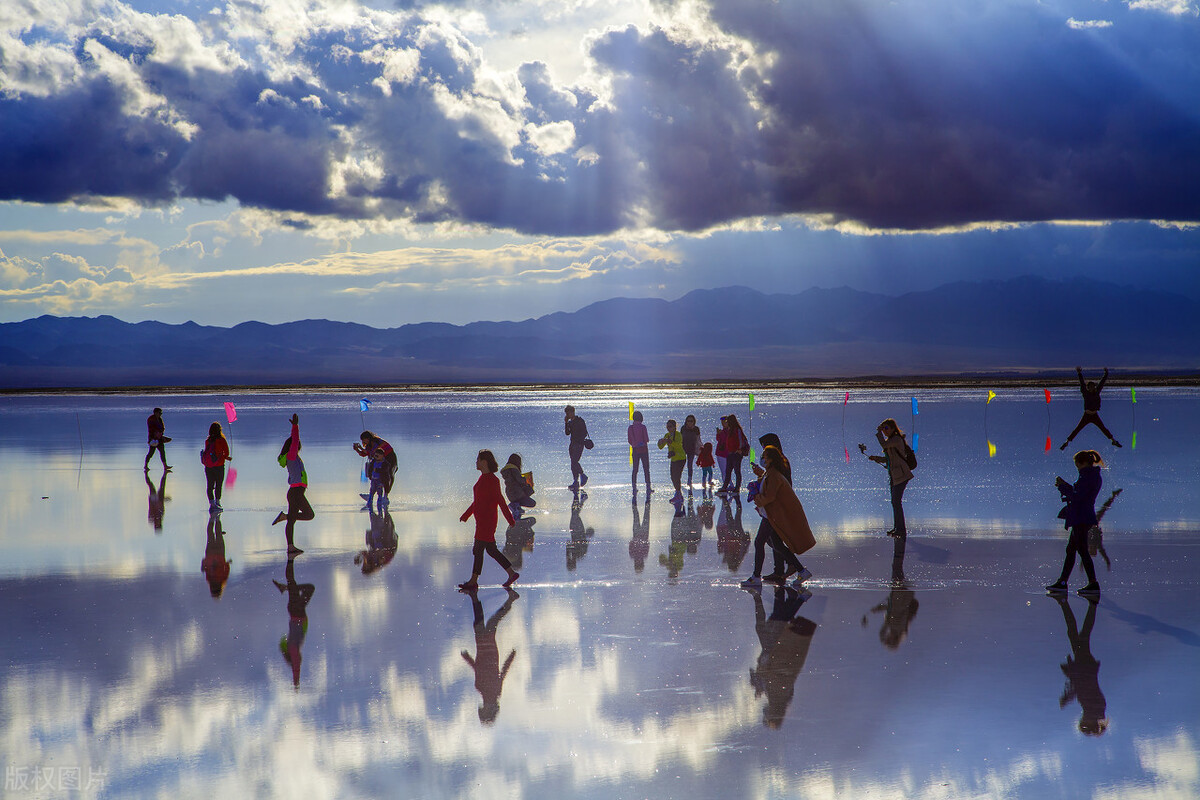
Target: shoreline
(982,380)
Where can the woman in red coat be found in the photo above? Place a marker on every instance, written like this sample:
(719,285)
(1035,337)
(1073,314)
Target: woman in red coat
(488,500)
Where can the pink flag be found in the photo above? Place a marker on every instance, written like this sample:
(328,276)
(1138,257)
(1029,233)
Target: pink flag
(847,454)
(230,412)
(847,400)
(230,478)
(1047,391)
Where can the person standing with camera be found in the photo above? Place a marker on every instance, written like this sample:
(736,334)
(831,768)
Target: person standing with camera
(576,428)
(896,458)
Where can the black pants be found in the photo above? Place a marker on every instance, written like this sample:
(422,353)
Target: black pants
(898,508)
(783,557)
(576,467)
(216,478)
(490,548)
(162,453)
(1090,418)
(677,474)
(641,456)
(1077,543)
(733,463)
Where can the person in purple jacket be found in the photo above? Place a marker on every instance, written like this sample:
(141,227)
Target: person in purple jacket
(639,443)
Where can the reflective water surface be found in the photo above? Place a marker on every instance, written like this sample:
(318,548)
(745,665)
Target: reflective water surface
(628,662)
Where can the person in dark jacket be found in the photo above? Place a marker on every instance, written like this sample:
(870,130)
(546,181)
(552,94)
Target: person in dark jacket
(576,428)
(156,439)
(1079,515)
(1091,408)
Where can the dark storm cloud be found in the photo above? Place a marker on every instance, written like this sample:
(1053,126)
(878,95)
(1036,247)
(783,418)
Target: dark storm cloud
(913,115)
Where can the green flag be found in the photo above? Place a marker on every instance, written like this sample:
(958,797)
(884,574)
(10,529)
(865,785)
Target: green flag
(752,401)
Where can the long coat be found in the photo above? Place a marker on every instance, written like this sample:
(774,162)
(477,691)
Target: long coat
(784,512)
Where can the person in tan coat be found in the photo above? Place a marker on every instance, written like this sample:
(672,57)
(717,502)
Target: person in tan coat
(783,508)
(891,439)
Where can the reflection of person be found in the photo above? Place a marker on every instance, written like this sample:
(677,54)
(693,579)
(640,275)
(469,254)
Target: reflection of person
(639,445)
(576,428)
(366,446)
(489,675)
(891,439)
(213,457)
(785,640)
(736,448)
(639,540)
(899,608)
(215,566)
(297,499)
(785,513)
(381,542)
(156,438)
(1079,516)
(691,443)
(518,539)
(1091,408)
(732,540)
(1083,672)
(157,502)
(580,534)
(297,605)
(486,501)
(673,441)
(516,488)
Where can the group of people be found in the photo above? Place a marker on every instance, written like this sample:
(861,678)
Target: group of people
(783,527)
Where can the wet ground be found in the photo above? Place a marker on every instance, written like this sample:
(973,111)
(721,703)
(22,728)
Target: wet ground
(629,662)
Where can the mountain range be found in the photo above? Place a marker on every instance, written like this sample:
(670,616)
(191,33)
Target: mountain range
(1023,326)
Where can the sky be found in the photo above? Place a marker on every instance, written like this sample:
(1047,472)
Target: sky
(394,162)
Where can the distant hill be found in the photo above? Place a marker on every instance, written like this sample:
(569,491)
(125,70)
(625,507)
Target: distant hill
(1021,325)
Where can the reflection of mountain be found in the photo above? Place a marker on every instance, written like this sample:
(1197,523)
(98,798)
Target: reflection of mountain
(1024,323)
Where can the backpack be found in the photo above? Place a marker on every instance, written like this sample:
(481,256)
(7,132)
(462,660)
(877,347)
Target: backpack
(910,457)
(208,456)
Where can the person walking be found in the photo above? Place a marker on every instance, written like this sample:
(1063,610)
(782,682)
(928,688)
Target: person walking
(517,489)
(673,441)
(156,438)
(766,534)
(576,429)
(297,500)
(895,459)
(213,457)
(639,445)
(486,501)
(691,444)
(1079,515)
(785,515)
(722,450)
(736,448)
(1091,408)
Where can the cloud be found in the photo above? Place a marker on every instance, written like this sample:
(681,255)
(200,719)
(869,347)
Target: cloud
(865,113)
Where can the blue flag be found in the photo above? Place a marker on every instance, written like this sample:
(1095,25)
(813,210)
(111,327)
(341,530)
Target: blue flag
(915,412)
(916,438)
(364,405)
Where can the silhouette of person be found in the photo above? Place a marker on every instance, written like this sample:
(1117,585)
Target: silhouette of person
(518,539)
(639,541)
(900,606)
(214,565)
(732,540)
(489,675)
(891,439)
(766,533)
(156,438)
(784,639)
(297,606)
(1079,517)
(381,543)
(580,534)
(297,500)
(1091,408)
(517,489)
(576,429)
(691,444)
(1096,535)
(1082,671)
(157,502)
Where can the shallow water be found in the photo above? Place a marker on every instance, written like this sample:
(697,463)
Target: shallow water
(638,666)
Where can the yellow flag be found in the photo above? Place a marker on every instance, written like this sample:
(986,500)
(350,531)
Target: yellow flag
(991,396)
(631,410)
(631,419)
(991,449)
